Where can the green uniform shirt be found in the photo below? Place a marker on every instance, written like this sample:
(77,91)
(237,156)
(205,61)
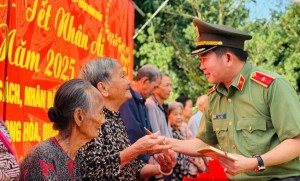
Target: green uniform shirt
(251,119)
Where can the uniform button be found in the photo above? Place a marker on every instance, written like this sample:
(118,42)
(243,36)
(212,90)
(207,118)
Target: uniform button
(229,100)
(250,128)
(233,147)
(230,123)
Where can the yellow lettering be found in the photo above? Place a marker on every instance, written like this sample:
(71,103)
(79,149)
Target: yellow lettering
(29,60)
(64,23)
(12,93)
(60,66)
(1,91)
(31,12)
(43,16)
(35,97)
(48,131)
(31,131)
(97,47)
(6,49)
(14,128)
(90,10)
(3,47)
(32,58)
(50,98)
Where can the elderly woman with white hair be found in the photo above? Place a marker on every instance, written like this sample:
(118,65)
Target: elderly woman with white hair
(111,156)
(77,115)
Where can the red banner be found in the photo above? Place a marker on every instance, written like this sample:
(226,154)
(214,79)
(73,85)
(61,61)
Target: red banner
(44,43)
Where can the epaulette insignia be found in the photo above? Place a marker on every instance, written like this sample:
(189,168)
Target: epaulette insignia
(211,90)
(241,82)
(263,79)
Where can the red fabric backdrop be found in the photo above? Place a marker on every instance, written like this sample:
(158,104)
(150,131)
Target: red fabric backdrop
(42,44)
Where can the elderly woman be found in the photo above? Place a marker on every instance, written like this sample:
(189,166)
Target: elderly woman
(111,156)
(77,115)
(185,165)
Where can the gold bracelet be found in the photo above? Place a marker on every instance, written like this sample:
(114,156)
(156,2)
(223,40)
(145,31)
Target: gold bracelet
(169,173)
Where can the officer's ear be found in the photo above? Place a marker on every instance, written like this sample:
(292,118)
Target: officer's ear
(228,58)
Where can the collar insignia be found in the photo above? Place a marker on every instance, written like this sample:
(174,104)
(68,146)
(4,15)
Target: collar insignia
(211,90)
(241,82)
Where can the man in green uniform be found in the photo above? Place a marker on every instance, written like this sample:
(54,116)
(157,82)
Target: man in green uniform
(252,114)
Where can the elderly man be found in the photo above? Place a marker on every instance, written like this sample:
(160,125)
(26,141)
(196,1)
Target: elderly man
(133,111)
(253,114)
(111,156)
(157,109)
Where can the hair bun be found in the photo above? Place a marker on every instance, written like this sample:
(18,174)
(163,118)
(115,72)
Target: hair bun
(54,114)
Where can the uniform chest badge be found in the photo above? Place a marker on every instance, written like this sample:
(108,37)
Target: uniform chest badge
(219,116)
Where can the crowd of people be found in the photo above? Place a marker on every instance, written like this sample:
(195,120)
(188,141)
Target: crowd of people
(111,129)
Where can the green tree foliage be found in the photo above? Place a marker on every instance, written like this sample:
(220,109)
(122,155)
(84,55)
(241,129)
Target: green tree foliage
(170,37)
(276,44)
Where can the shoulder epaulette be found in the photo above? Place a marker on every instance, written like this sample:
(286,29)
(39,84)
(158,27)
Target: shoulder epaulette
(262,79)
(211,90)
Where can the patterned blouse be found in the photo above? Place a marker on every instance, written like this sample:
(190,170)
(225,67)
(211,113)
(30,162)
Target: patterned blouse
(181,169)
(9,168)
(100,158)
(48,161)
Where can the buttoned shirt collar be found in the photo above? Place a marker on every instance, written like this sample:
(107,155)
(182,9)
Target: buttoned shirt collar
(137,96)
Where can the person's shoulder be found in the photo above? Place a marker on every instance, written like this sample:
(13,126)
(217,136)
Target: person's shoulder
(127,104)
(38,152)
(264,77)
(41,146)
(150,102)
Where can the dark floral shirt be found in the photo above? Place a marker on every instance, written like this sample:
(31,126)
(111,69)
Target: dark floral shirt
(100,158)
(48,161)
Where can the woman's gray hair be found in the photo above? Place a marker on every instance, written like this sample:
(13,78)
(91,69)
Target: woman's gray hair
(149,71)
(173,105)
(73,94)
(98,70)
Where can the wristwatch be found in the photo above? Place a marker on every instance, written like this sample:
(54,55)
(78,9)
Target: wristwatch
(261,166)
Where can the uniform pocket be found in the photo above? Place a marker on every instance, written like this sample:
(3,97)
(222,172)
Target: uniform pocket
(250,132)
(220,127)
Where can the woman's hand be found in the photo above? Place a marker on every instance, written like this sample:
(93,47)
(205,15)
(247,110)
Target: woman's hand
(151,144)
(166,161)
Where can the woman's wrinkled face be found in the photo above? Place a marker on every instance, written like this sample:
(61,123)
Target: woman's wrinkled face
(176,117)
(94,117)
(119,85)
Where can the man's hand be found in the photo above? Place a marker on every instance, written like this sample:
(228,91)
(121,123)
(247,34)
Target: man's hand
(242,164)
